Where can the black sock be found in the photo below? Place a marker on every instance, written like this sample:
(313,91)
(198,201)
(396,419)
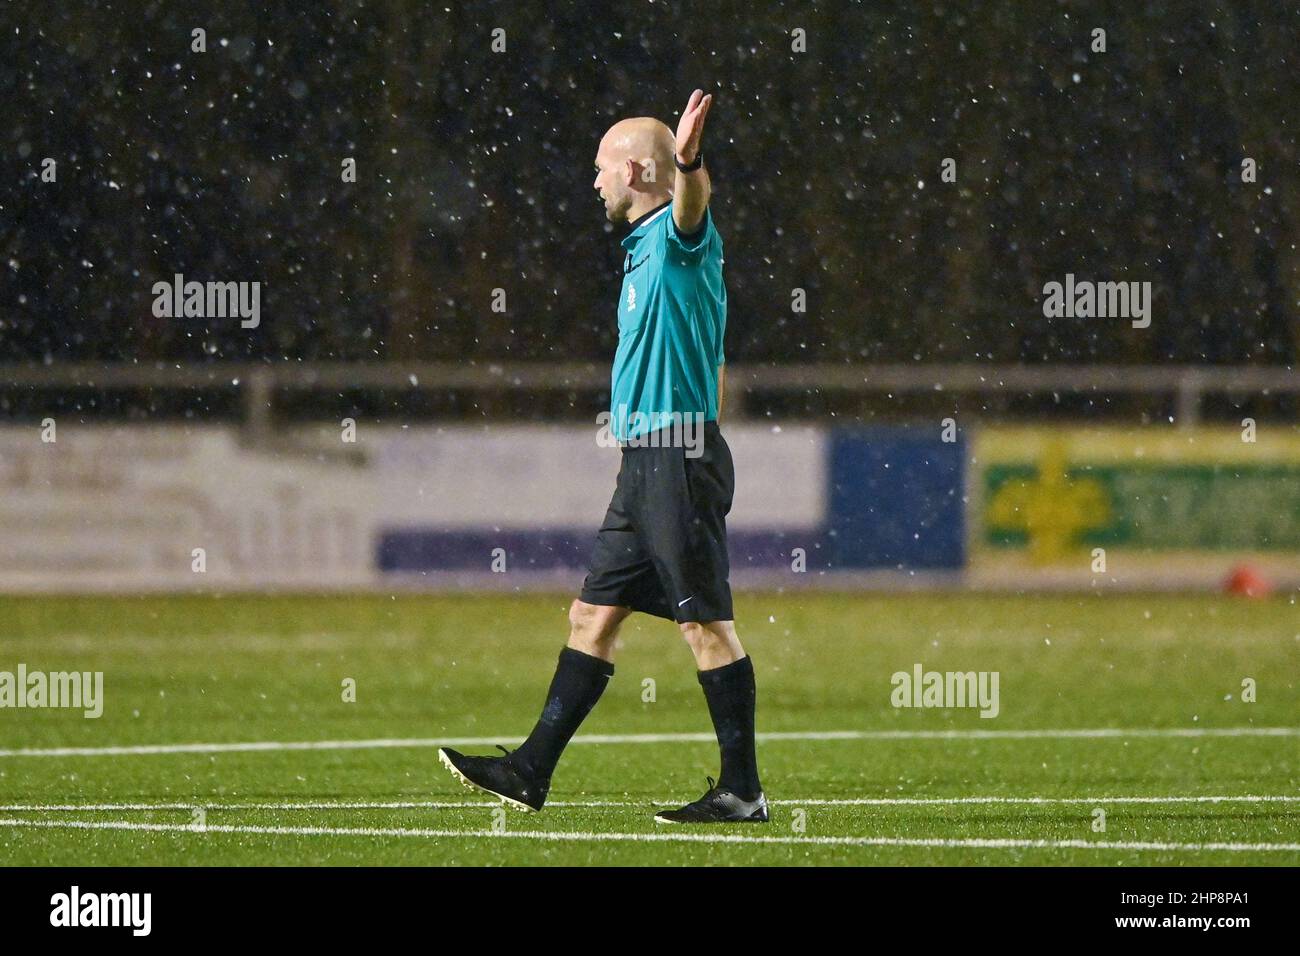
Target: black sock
(578,683)
(730,693)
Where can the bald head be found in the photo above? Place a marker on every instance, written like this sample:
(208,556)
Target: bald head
(639,139)
(634,167)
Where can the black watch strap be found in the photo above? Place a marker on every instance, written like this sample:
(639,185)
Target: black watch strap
(691,166)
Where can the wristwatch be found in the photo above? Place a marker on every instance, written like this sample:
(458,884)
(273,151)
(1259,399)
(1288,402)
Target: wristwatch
(691,166)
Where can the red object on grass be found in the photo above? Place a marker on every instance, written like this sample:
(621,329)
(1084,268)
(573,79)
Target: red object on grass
(1247,582)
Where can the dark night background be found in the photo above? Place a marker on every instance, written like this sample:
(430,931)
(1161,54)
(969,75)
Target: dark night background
(474,172)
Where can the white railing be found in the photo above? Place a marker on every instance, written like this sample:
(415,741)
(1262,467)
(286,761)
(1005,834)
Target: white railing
(259,383)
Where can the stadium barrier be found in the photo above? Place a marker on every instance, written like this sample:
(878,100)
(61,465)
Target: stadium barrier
(260,385)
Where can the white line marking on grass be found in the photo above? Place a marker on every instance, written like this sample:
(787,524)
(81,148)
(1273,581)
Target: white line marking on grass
(254,746)
(579,837)
(555,804)
(940,801)
(308,805)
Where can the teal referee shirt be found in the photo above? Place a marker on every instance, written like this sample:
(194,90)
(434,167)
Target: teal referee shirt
(672,314)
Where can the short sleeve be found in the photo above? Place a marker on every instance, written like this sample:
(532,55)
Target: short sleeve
(692,245)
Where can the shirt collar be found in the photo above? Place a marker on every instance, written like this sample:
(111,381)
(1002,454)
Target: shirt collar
(643,220)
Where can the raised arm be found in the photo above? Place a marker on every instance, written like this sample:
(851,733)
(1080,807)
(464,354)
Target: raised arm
(691,190)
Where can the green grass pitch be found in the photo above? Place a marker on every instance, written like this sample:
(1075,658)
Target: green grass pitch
(904,786)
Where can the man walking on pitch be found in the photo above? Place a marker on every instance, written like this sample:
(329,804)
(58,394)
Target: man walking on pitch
(662,548)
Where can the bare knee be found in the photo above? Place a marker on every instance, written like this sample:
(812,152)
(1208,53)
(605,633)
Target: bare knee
(593,628)
(583,618)
(714,644)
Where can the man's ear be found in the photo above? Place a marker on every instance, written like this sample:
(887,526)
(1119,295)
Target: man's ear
(629,172)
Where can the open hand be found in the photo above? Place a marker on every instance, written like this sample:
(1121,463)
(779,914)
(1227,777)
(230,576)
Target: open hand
(690,128)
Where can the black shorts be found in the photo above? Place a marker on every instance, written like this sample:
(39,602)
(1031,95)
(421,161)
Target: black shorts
(662,548)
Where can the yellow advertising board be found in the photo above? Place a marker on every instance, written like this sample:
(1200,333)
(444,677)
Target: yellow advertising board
(1135,502)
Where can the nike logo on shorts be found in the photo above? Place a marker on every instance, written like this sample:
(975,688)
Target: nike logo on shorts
(680,603)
